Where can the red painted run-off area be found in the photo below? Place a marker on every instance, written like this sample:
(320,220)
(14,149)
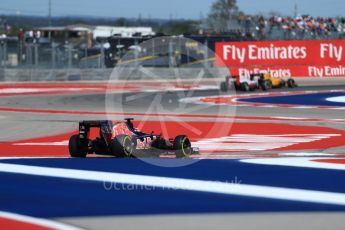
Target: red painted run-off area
(17,224)
(331,161)
(198,132)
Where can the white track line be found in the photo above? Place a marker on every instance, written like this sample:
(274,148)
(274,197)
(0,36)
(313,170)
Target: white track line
(36,221)
(304,162)
(184,184)
(307,154)
(339,99)
(257,142)
(33,157)
(54,143)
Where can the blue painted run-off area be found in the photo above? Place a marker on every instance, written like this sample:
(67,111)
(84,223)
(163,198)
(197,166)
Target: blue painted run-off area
(312,99)
(57,197)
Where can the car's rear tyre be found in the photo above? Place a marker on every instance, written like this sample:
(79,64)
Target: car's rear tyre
(182,146)
(122,146)
(223,86)
(245,87)
(291,83)
(76,149)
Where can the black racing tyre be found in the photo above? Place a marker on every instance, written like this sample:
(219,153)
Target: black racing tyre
(223,86)
(269,83)
(76,149)
(264,85)
(122,146)
(291,83)
(182,146)
(245,87)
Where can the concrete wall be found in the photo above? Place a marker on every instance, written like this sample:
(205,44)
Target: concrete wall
(15,75)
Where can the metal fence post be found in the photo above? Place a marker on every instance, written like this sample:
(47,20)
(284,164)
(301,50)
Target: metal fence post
(53,56)
(101,64)
(20,52)
(5,54)
(179,52)
(206,53)
(1,55)
(187,47)
(28,55)
(136,52)
(153,53)
(2,68)
(69,56)
(170,54)
(36,54)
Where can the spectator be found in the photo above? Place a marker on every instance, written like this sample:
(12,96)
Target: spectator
(20,35)
(300,27)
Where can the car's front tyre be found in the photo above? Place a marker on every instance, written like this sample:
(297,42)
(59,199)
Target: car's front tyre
(182,146)
(245,87)
(291,83)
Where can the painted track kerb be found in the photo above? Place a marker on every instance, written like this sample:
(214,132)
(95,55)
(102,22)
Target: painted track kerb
(183,184)
(37,221)
(239,100)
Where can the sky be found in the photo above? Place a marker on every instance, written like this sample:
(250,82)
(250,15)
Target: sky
(165,9)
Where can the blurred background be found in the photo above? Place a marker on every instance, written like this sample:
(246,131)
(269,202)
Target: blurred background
(55,35)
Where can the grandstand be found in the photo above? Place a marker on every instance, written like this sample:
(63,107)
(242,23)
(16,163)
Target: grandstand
(92,46)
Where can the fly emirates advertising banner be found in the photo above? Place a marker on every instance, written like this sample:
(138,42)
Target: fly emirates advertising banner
(284,58)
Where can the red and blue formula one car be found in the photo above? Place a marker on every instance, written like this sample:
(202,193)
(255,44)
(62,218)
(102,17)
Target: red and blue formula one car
(121,139)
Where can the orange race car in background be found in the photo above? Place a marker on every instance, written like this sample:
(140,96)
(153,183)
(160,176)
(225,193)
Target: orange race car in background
(278,82)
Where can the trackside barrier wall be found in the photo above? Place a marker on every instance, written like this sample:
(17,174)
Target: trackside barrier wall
(309,58)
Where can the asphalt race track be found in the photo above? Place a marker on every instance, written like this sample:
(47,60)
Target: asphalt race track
(267,159)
